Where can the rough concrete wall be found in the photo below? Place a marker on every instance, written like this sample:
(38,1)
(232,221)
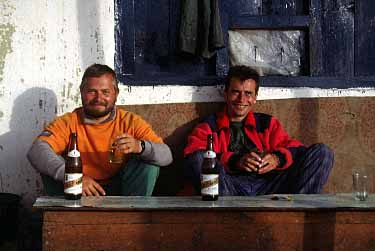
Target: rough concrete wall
(45,46)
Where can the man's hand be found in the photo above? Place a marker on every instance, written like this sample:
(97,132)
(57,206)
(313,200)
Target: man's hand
(249,162)
(252,162)
(269,162)
(126,143)
(90,187)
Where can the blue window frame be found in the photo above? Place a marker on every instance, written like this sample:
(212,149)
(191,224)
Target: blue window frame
(146,46)
(341,41)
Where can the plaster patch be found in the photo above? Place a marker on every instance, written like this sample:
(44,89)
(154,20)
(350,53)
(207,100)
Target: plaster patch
(6,9)
(6,32)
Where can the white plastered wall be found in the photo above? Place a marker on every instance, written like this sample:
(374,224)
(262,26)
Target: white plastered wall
(45,45)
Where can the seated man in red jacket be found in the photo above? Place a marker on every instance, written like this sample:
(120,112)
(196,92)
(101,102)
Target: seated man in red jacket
(254,153)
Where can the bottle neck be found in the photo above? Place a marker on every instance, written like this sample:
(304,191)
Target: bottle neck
(209,153)
(210,145)
(73,151)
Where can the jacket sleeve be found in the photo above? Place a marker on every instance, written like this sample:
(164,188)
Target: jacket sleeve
(279,141)
(197,140)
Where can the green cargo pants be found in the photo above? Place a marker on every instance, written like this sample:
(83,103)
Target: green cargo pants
(136,178)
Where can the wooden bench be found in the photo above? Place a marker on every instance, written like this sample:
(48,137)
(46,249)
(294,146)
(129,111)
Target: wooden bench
(272,222)
(344,124)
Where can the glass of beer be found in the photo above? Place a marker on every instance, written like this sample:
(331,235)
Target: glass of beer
(115,155)
(260,153)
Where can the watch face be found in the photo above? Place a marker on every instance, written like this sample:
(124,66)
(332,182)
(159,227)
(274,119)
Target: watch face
(142,145)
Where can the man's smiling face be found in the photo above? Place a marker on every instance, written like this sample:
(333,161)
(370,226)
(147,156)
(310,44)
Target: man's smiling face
(240,98)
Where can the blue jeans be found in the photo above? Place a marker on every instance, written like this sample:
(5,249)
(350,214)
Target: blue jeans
(306,175)
(136,178)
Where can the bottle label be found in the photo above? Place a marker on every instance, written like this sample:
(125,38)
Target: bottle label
(74,153)
(209,184)
(73,183)
(209,154)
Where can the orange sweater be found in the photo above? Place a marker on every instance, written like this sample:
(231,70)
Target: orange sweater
(93,139)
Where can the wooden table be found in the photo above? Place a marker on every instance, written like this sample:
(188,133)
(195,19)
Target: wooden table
(271,222)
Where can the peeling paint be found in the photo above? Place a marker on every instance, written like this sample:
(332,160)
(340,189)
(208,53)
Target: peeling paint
(77,98)
(6,8)
(6,33)
(70,86)
(63,91)
(78,72)
(99,46)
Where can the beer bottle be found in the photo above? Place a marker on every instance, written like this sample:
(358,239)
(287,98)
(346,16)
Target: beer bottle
(210,173)
(73,170)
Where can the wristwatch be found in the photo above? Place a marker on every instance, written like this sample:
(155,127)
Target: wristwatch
(143,146)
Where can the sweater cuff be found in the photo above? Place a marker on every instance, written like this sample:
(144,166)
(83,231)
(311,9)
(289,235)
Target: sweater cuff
(233,160)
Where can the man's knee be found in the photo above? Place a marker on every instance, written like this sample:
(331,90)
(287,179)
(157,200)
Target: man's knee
(142,169)
(326,151)
(322,158)
(138,178)
(149,171)
(52,187)
(192,169)
(323,152)
(193,162)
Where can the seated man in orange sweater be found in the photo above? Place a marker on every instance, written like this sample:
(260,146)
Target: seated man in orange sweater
(96,122)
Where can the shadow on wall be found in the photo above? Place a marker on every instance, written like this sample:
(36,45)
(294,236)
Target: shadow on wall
(32,110)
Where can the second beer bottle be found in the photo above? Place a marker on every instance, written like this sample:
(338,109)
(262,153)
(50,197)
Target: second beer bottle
(210,173)
(73,171)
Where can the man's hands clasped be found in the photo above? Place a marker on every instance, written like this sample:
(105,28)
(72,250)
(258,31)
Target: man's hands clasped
(254,162)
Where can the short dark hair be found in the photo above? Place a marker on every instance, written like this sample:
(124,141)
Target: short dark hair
(98,70)
(242,73)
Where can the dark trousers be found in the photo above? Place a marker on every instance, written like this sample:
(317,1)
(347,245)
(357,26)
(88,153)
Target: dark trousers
(307,175)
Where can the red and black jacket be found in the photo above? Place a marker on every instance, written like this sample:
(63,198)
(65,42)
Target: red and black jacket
(264,130)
